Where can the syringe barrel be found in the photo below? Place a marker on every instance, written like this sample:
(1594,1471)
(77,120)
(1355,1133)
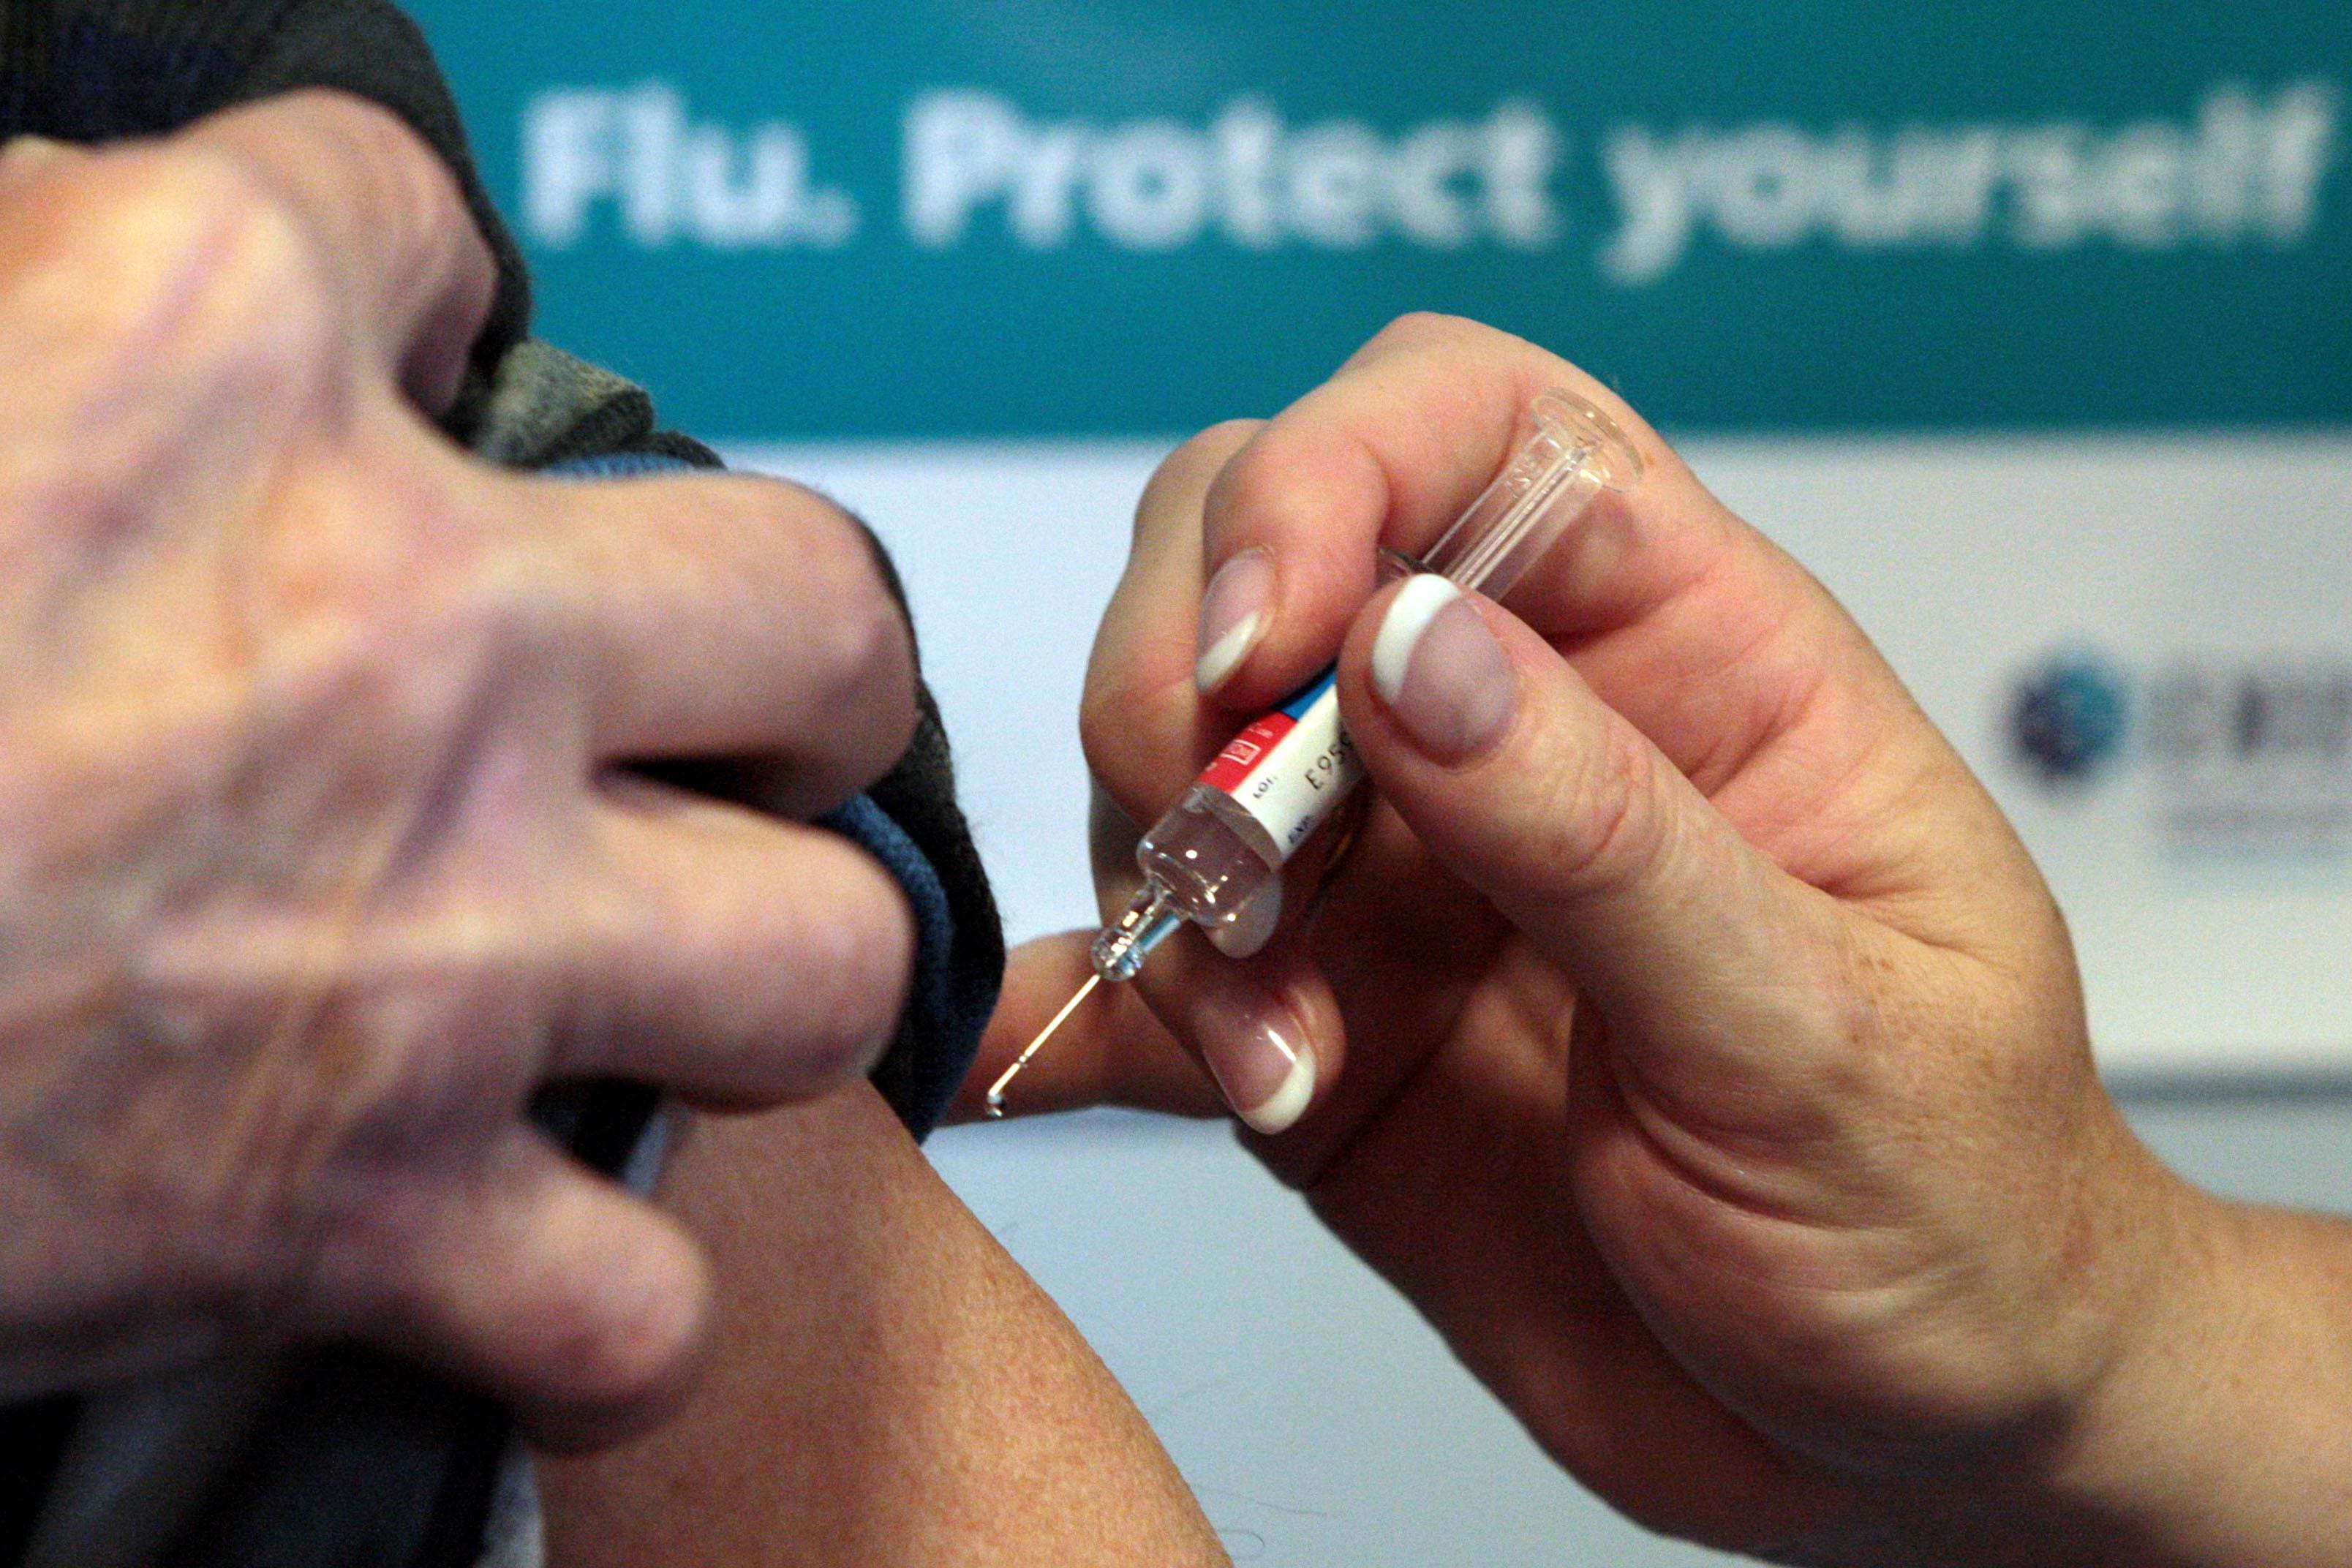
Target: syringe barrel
(1209,856)
(1270,788)
(1282,777)
(1264,796)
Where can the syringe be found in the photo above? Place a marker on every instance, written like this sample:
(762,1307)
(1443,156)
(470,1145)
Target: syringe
(1282,777)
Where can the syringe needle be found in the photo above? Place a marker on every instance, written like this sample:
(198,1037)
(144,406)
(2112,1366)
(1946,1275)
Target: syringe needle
(996,1089)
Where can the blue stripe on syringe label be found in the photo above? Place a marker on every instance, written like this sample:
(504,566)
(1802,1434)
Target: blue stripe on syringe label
(1295,705)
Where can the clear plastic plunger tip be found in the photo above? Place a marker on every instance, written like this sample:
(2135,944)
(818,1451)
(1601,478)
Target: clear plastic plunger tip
(1584,435)
(1571,452)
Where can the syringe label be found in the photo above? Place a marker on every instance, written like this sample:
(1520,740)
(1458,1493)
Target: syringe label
(1292,767)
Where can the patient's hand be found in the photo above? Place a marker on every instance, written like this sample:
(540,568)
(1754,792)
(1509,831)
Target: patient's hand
(316,856)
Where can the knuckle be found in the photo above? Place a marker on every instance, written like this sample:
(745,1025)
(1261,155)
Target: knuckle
(1213,443)
(1187,473)
(1118,718)
(1454,352)
(388,148)
(1423,332)
(1129,767)
(413,195)
(202,261)
(1259,494)
(370,719)
(1420,327)
(388,660)
(796,991)
(617,1351)
(851,963)
(24,156)
(857,651)
(408,591)
(1266,495)
(1244,487)
(490,619)
(1101,712)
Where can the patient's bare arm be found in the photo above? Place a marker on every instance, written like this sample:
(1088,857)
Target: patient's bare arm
(887,1387)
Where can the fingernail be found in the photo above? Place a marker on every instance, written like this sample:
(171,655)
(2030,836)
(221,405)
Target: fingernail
(1233,615)
(1441,672)
(1260,1059)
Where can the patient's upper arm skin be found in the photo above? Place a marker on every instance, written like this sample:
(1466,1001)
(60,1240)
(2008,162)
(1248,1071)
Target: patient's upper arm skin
(887,1386)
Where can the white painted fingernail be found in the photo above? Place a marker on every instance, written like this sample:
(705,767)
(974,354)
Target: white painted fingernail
(1410,613)
(1445,677)
(1233,617)
(1221,657)
(1259,1059)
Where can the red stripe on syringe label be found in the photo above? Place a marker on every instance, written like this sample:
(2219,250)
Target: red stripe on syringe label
(1291,768)
(1230,773)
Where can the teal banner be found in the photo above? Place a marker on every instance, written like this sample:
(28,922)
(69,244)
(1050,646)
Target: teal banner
(1032,217)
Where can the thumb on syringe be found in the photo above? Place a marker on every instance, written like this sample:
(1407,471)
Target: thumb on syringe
(1516,775)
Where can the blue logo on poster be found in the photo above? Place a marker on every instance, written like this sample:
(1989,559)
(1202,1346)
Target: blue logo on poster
(2068,720)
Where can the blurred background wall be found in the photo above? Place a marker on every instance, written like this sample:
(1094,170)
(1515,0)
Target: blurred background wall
(2027,327)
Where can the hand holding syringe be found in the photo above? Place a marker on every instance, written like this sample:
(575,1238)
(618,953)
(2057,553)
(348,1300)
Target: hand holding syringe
(1282,777)
(1687,1035)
